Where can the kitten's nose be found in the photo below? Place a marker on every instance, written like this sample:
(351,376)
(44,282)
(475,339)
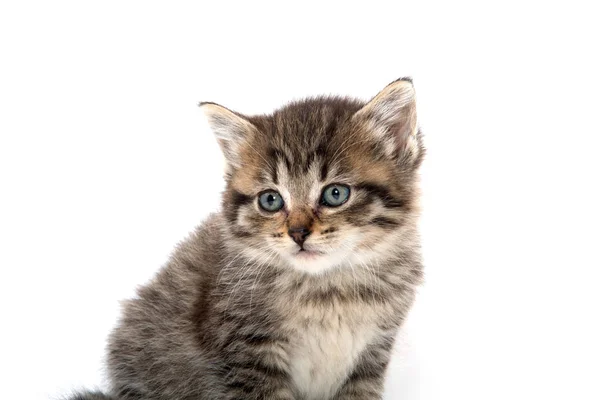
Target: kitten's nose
(299,234)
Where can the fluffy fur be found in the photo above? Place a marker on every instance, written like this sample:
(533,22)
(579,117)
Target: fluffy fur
(242,311)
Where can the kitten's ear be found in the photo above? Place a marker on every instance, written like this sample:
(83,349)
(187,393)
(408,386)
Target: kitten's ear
(392,117)
(231,129)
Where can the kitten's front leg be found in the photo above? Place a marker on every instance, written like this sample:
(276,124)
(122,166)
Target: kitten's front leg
(255,380)
(367,378)
(256,369)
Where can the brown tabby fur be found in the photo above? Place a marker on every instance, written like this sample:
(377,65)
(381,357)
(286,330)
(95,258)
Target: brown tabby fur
(237,312)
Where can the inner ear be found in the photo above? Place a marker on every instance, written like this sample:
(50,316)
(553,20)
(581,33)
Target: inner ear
(391,116)
(231,129)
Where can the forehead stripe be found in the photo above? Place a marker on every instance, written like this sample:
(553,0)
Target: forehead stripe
(324,169)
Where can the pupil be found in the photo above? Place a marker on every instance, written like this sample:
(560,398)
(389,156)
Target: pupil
(335,193)
(270,199)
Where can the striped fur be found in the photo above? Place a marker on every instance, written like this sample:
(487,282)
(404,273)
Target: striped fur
(239,312)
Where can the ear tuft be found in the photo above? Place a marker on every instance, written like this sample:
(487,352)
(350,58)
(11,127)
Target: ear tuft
(404,78)
(231,129)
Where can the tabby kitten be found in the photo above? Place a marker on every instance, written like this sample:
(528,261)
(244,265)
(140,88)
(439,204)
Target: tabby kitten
(296,289)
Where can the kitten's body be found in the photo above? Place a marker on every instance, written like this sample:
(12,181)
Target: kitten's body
(239,312)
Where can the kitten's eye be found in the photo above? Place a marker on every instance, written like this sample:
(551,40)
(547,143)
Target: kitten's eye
(270,201)
(335,195)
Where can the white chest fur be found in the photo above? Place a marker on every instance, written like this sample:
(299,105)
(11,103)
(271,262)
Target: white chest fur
(327,347)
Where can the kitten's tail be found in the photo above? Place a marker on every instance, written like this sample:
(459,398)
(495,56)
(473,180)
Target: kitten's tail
(90,396)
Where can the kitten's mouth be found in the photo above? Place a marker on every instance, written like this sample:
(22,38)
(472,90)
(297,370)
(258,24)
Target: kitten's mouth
(308,254)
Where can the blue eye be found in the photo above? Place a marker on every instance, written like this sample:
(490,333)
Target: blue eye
(270,201)
(335,195)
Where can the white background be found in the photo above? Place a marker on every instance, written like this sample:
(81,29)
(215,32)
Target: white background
(106,162)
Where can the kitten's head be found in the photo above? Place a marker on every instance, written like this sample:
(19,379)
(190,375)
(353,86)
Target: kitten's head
(324,182)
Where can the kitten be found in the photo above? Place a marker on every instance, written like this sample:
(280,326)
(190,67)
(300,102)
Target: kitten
(296,289)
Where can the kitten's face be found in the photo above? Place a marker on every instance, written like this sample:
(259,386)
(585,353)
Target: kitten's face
(321,183)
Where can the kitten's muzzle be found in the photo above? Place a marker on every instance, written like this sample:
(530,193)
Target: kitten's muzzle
(299,234)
